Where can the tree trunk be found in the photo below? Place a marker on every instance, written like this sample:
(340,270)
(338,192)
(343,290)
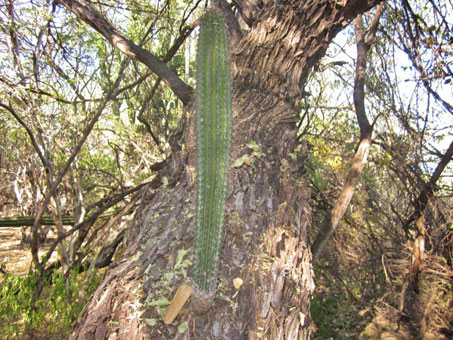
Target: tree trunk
(267,212)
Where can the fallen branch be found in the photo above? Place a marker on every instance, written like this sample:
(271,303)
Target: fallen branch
(27,221)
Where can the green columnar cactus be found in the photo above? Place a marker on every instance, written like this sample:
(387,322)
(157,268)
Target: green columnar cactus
(213,139)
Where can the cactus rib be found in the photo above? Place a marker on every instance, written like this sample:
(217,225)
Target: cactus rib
(213,139)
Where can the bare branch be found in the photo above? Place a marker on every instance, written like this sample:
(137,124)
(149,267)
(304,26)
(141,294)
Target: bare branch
(102,205)
(371,31)
(84,11)
(29,132)
(231,21)
(366,130)
(429,188)
(248,9)
(75,152)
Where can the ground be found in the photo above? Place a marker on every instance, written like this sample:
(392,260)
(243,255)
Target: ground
(15,256)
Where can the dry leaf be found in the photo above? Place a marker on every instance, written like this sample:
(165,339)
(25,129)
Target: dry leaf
(237,282)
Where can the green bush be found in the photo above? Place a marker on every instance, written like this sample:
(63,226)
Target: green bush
(51,313)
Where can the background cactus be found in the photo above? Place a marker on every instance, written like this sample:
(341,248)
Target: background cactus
(213,139)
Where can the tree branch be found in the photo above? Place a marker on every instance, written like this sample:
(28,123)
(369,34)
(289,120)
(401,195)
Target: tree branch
(92,218)
(429,188)
(371,31)
(29,132)
(366,130)
(85,12)
(248,9)
(54,185)
(231,21)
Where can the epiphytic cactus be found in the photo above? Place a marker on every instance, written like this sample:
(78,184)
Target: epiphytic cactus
(213,139)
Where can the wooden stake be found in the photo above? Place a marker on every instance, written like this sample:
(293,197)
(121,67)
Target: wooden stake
(182,295)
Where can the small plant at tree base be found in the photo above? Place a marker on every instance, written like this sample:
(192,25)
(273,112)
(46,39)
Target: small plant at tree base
(213,120)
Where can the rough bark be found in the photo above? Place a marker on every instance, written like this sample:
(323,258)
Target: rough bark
(268,208)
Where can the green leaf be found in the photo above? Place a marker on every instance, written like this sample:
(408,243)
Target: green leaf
(245,159)
(180,258)
(161,302)
(253,146)
(182,327)
(168,276)
(151,322)
(165,181)
(257,149)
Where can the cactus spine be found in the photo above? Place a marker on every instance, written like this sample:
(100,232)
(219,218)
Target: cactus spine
(213,139)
